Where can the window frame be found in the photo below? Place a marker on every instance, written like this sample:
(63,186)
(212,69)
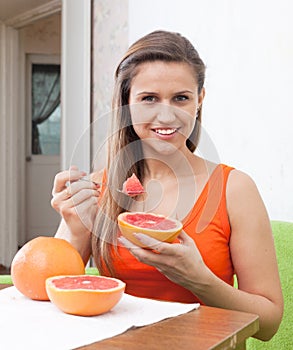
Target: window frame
(30,60)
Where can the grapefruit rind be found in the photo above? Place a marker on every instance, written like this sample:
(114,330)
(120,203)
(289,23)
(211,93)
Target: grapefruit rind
(84,302)
(128,230)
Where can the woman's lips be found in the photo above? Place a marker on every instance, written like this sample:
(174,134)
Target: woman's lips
(165,132)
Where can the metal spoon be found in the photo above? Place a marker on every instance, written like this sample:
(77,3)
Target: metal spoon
(118,190)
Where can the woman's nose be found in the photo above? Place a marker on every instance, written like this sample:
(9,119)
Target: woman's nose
(166,114)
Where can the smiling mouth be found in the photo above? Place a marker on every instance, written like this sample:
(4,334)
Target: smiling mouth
(165,131)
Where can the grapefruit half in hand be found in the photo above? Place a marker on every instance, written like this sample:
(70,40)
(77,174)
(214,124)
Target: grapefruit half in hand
(157,226)
(84,295)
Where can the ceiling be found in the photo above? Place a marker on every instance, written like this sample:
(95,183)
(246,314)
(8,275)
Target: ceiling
(12,8)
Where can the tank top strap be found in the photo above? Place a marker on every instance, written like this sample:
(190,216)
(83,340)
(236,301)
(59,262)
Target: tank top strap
(211,200)
(223,213)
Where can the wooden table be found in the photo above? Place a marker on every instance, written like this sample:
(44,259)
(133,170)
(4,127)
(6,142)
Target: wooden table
(202,329)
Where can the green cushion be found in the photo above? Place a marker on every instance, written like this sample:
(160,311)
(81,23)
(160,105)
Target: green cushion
(283,340)
(92,271)
(6,279)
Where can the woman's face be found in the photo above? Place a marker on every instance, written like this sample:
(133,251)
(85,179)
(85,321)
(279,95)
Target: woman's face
(163,104)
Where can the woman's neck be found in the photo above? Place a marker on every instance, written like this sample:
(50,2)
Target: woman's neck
(161,166)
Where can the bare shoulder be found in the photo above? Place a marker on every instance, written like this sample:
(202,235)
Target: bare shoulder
(243,198)
(239,181)
(239,185)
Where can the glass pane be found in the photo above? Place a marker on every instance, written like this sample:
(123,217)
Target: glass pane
(46,112)
(49,133)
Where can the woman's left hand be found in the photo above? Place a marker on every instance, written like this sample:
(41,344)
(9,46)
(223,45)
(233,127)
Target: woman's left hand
(180,262)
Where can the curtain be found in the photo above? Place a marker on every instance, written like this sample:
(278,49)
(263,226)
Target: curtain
(45,98)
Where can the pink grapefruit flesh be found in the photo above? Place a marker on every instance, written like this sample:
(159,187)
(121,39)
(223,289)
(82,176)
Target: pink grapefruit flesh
(132,186)
(153,225)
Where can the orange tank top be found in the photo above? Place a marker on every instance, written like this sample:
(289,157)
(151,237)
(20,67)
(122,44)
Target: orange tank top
(208,225)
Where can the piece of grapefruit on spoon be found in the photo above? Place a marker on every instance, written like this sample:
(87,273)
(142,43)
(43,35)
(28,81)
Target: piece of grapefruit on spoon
(157,226)
(132,186)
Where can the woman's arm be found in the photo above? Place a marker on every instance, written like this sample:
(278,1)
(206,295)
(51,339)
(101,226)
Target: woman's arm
(254,259)
(82,244)
(252,252)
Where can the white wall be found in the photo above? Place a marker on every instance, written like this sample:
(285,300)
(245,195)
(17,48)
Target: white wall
(248,49)
(40,37)
(75,83)
(109,42)
(9,110)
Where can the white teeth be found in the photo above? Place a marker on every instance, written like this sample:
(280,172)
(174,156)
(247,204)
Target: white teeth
(165,131)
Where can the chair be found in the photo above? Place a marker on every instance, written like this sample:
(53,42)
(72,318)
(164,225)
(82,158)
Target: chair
(5,279)
(283,340)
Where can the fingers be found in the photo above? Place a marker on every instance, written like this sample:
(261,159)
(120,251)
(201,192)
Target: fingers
(72,196)
(163,247)
(62,178)
(82,195)
(146,256)
(69,192)
(158,252)
(77,186)
(184,238)
(127,244)
(154,247)
(159,246)
(154,244)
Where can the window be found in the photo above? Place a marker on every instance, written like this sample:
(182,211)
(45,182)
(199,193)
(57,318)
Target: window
(45,111)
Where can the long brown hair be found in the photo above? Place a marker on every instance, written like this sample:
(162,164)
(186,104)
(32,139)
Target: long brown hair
(125,154)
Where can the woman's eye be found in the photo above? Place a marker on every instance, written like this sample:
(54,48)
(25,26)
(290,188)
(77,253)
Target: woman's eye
(149,99)
(181,98)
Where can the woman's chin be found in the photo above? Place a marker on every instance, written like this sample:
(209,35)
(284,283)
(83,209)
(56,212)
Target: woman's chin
(159,148)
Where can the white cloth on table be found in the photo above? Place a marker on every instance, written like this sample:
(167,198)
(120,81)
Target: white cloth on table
(28,324)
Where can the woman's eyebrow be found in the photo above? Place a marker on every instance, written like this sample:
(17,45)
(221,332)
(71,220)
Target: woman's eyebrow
(146,93)
(184,92)
(154,92)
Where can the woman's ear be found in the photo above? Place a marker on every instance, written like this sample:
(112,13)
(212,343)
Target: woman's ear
(201,97)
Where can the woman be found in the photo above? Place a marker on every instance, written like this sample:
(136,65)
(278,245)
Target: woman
(157,104)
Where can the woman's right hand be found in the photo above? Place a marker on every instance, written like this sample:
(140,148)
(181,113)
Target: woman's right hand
(76,201)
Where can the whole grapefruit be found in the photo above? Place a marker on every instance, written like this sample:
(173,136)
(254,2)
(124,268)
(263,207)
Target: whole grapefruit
(40,258)
(86,295)
(157,226)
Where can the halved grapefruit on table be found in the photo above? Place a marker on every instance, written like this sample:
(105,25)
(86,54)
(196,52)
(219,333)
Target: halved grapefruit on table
(84,295)
(50,268)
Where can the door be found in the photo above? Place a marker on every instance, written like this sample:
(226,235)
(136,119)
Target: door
(43,143)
